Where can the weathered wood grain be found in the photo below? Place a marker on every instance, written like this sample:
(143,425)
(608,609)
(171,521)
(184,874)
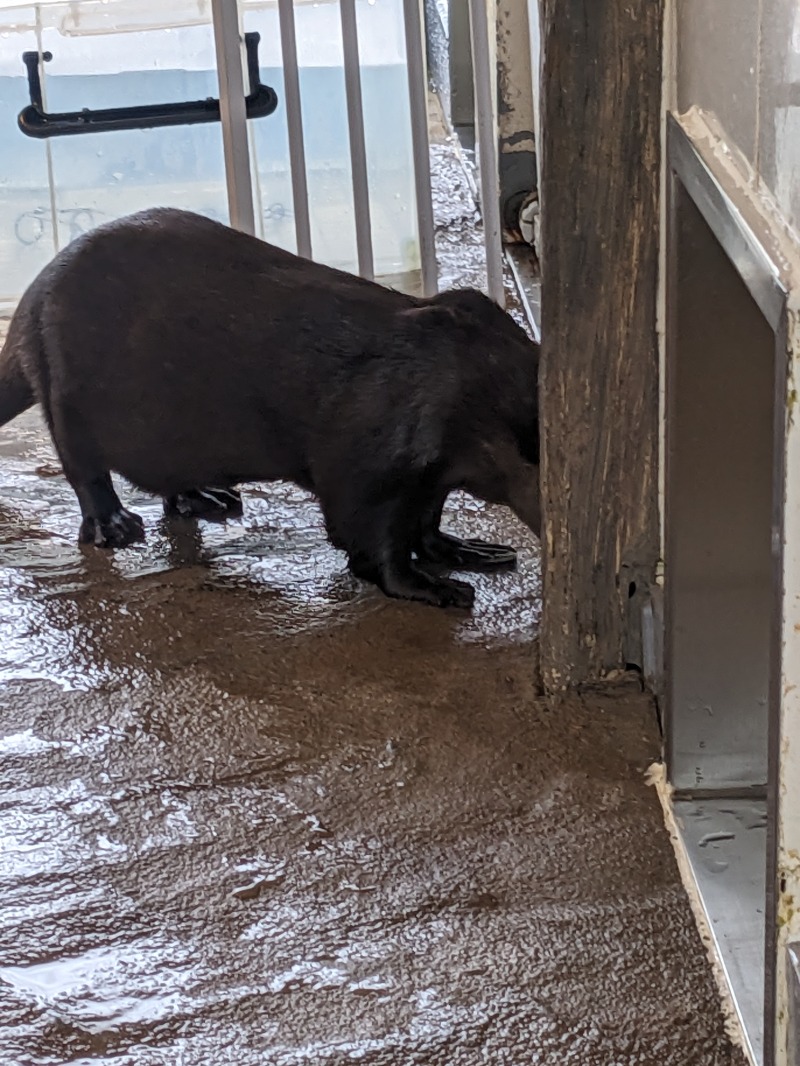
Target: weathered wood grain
(601,97)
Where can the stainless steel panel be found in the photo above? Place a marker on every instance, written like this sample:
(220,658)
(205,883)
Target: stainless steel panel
(719,481)
(725,842)
(793,971)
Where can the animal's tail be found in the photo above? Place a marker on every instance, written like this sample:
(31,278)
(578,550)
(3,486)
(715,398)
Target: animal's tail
(16,394)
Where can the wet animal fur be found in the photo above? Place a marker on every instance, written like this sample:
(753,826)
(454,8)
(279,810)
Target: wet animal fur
(179,353)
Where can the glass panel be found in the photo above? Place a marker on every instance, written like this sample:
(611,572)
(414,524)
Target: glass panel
(104,175)
(26,234)
(109,53)
(779,103)
(117,52)
(387,129)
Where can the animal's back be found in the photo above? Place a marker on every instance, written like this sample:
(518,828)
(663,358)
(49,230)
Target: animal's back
(168,287)
(180,343)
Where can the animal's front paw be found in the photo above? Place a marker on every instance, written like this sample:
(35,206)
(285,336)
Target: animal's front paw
(416,585)
(118,530)
(451,593)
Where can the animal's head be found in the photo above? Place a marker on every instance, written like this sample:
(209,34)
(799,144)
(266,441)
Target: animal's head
(498,365)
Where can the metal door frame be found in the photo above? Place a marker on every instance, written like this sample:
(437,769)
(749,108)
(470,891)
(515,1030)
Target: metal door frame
(755,246)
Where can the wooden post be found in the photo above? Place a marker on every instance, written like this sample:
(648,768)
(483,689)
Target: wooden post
(601,93)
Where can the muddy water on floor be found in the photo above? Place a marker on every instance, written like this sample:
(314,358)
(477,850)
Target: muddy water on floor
(252,812)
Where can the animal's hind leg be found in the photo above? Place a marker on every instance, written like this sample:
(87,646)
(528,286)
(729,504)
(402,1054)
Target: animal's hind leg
(105,522)
(212,504)
(443,549)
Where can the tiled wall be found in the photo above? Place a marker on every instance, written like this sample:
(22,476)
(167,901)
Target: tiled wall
(740,60)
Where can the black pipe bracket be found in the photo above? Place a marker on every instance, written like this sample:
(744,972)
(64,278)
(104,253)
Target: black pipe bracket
(34,121)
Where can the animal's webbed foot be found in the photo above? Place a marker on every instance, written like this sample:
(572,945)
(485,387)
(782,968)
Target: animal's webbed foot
(117,530)
(443,549)
(211,504)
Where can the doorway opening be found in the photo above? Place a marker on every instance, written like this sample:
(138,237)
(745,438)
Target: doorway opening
(720,593)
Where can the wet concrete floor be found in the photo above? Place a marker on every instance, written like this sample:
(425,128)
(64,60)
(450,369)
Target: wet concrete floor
(253,813)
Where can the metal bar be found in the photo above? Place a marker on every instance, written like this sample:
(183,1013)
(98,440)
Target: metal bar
(48,148)
(487,149)
(294,122)
(783,876)
(528,289)
(358,151)
(534,31)
(227,41)
(462,92)
(418,104)
(777,971)
(793,1021)
(258,192)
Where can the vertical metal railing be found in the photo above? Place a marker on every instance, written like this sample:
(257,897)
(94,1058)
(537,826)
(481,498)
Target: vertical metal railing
(418,106)
(48,148)
(358,148)
(294,123)
(486,135)
(228,45)
(233,113)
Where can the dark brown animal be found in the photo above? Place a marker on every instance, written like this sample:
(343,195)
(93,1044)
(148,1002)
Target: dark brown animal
(190,358)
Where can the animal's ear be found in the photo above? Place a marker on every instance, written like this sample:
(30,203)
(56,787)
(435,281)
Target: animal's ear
(470,303)
(431,316)
(459,308)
